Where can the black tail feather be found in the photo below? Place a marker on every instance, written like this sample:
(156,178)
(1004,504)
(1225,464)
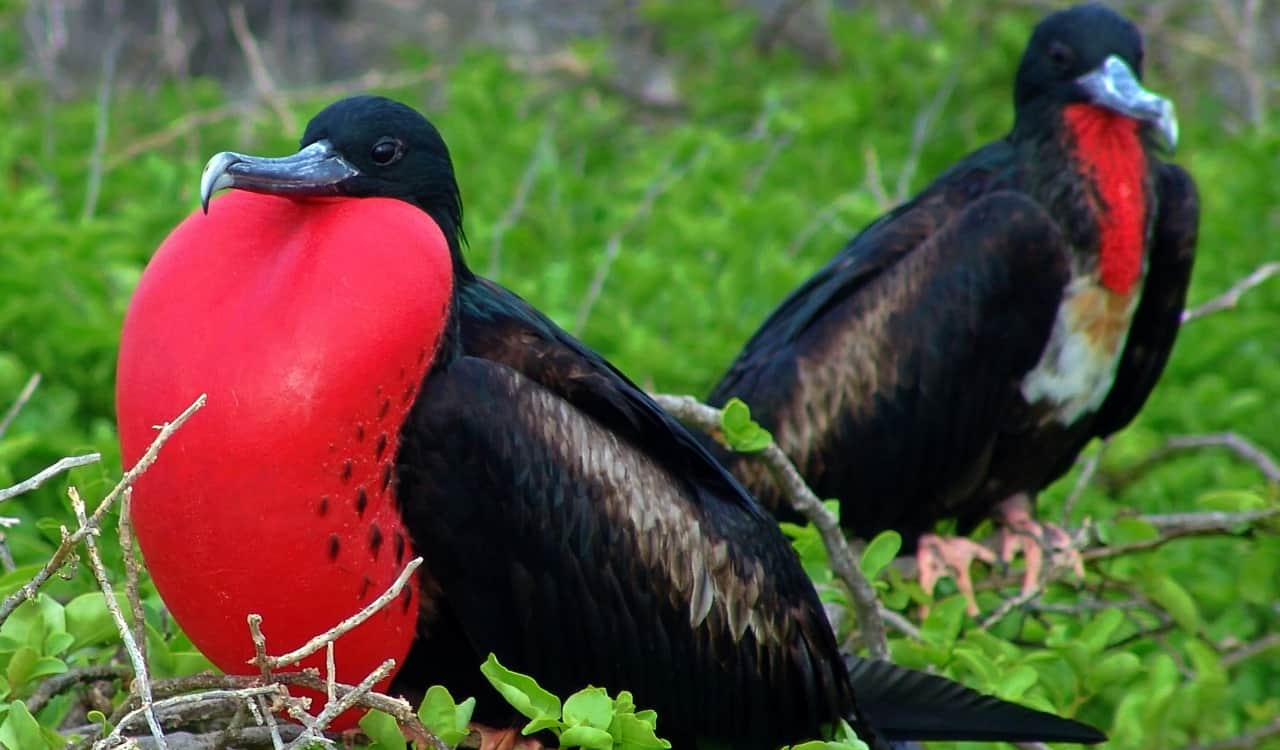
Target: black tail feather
(903,704)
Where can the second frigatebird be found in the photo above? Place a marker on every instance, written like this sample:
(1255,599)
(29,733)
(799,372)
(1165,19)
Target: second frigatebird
(957,355)
(370,399)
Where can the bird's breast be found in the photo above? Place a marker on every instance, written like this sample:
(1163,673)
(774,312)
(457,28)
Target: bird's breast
(1078,364)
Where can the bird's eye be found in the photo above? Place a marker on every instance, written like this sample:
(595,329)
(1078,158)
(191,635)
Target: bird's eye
(1061,55)
(386,151)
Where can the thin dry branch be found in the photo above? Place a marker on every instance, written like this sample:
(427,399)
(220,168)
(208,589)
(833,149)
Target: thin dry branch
(1181,526)
(254,61)
(141,680)
(668,176)
(132,573)
(1251,739)
(102,120)
(57,684)
(1237,444)
(518,202)
(861,593)
(188,124)
(1249,650)
(337,631)
(1230,298)
(247,693)
(70,540)
(49,472)
(920,130)
(21,401)
(334,709)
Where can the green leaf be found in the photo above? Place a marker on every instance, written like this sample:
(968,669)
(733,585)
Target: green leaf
(46,666)
(1097,633)
(586,736)
(446,719)
(879,553)
(521,691)
(58,642)
(1112,669)
(20,730)
(591,707)
(633,732)
(383,729)
(942,625)
(740,431)
(89,621)
(1169,594)
(1017,682)
(1231,501)
(20,666)
(97,717)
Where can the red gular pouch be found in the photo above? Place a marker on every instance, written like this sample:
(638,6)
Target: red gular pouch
(310,325)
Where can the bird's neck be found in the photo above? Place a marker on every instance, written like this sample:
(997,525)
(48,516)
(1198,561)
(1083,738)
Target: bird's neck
(1103,195)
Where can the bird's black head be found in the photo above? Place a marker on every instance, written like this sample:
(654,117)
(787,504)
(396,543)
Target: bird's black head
(1088,54)
(361,147)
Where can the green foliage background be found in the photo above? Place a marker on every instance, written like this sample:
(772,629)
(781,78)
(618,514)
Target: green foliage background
(692,225)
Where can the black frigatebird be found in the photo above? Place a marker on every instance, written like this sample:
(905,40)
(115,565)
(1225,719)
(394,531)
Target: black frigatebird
(371,399)
(959,353)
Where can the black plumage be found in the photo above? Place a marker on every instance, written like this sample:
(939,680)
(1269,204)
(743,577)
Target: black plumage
(574,529)
(964,348)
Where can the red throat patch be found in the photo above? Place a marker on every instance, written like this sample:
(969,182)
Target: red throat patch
(310,325)
(1110,154)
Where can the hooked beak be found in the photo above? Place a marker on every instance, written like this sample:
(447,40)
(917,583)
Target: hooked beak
(1114,86)
(316,170)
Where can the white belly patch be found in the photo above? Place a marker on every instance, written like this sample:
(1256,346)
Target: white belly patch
(1078,366)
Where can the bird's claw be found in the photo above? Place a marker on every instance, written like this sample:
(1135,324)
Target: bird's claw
(938,557)
(1035,538)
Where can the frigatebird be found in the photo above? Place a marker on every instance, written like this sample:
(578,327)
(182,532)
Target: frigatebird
(957,355)
(371,399)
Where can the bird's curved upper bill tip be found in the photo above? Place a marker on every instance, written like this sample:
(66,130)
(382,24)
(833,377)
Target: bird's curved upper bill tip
(215,176)
(1114,86)
(318,169)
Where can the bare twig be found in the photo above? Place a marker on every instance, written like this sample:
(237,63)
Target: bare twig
(1007,606)
(116,737)
(1251,739)
(862,594)
(1182,525)
(900,623)
(1238,444)
(102,121)
(70,540)
(1230,298)
(334,709)
(1087,472)
(337,631)
(874,180)
(1250,650)
(56,684)
(920,130)
(668,176)
(23,397)
(246,738)
(262,81)
(819,220)
(141,680)
(132,571)
(49,472)
(516,208)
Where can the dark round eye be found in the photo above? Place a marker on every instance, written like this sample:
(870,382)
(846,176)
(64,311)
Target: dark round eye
(386,151)
(1061,55)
